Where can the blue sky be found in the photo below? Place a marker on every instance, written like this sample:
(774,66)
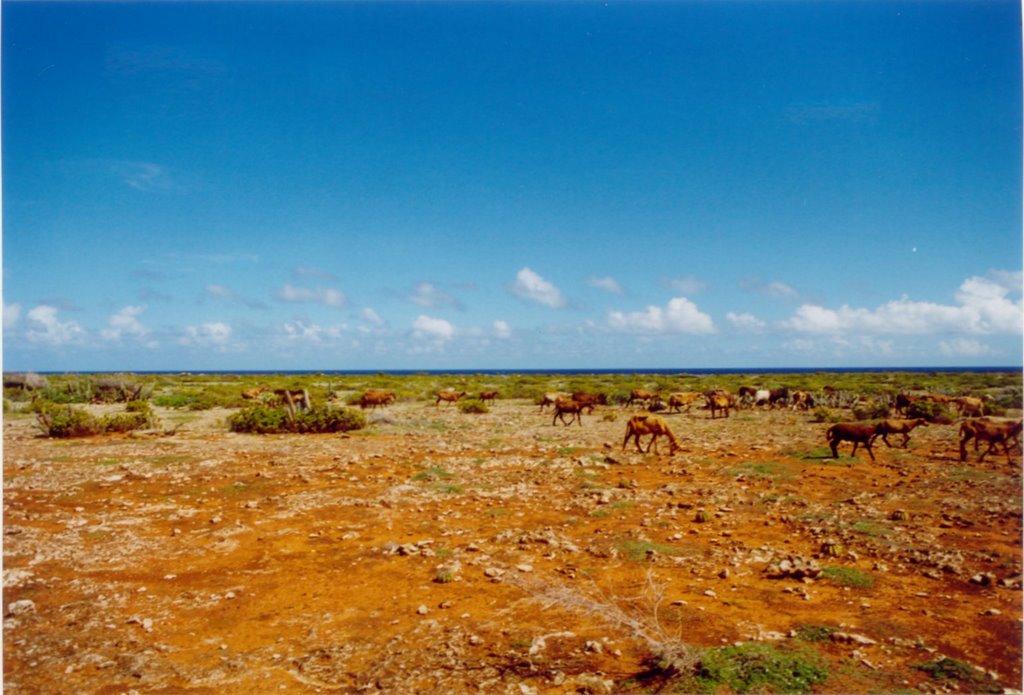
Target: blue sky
(257,185)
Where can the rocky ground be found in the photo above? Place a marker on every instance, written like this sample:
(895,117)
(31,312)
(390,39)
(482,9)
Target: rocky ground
(438,551)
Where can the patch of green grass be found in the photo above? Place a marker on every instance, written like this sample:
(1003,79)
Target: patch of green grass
(814,633)
(755,667)
(637,550)
(948,669)
(771,470)
(567,451)
(433,473)
(600,514)
(871,528)
(848,576)
(448,488)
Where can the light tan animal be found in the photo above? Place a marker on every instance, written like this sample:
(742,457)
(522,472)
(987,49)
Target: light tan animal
(254,393)
(856,433)
(653,425)
(676,401)
(645,397)
(992,431)
(719,401)
(970,406)
(550,398)
(448,396)
(639,426)
(904,427)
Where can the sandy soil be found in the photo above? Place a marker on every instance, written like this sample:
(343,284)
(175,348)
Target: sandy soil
(438,551)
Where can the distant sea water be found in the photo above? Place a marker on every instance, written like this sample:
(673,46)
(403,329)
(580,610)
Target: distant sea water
(570,372)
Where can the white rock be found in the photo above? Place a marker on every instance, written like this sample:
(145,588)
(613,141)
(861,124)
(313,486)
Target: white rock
(22,607)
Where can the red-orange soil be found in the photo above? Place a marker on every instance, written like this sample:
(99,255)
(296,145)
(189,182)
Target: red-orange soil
(439,551)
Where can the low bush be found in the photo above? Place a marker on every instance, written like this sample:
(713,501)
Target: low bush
(871,410)
(756,667)
(473,406)
(261,419)
(931,411)
(63,421)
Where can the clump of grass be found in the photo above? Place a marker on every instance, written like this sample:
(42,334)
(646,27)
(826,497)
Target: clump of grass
(848,576)
(755,667)
(433,473)
(767,469)
(473,406)
(639,550)
(949,669)
(814,633)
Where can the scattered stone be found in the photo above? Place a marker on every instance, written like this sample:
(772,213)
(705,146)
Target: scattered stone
(23,607)
(852,638)
(422,610)
(795,567)
(984,579)
(493,572)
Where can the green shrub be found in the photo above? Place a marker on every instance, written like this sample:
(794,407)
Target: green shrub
(947,669)
(261,419)
(871,410)
(849,576)
(823,414)
(756,667)
(62,421)
(56,420)
(930,411)
(473,406)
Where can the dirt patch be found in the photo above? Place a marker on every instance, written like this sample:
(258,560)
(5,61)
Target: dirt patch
(442,551)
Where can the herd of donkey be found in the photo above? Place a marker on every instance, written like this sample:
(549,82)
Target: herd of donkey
(975,425)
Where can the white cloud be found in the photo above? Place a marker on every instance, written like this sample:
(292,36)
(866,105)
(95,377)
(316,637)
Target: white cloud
(220,292)
(679,316)
(144,176)
(530,285)
(328,296)
(300,331)
(747,323)
(372,316)
(215,334)
(687,285)
(607,283)
(12,312)
(774,289)
(428,327)
(983,308)
(502,329)
(963,347)
(44,327)
(126,324)
(427,295)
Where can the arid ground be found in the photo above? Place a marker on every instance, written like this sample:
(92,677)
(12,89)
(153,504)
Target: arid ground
(441,551)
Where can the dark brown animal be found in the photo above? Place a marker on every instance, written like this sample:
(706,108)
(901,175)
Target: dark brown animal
(904,427)
(747,394)
(589,400)
(375,398)
(994,432)
(448,396)
(488,396)
(570,406)
(858,434)
(645,397)
(640,425)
